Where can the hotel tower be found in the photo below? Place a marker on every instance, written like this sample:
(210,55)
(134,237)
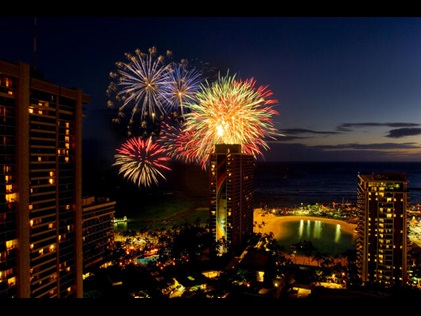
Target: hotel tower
(40,186)
(231,177)
(382,229)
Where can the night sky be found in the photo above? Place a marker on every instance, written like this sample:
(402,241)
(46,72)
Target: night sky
(348,88)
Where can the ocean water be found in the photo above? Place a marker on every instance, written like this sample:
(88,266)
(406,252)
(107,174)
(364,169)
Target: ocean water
(293,183)
(280,184)
(277,184)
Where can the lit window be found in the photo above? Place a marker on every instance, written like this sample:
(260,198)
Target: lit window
(9,244)
(10,197)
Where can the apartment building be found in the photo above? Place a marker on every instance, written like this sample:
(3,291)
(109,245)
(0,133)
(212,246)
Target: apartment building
(40,185)
(382,229)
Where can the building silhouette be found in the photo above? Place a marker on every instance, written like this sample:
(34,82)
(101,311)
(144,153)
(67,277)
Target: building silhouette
(40,186)
(382,230)
(231,178)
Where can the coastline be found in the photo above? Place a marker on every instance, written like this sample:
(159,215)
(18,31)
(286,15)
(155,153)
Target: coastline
(272,222)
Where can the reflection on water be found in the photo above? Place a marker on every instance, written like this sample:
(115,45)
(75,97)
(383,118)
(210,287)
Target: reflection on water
(326,237)
(307,230)
(337,233)
(120,227)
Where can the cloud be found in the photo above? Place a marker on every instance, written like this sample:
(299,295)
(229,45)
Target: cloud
(290,134)
(295,131)
(374,146)
(286,138)
(344,152)
(347,127)
(402,132)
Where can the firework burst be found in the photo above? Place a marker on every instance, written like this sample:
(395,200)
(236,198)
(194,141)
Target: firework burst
(141,161)
(148,87)
(137,88)
(175,139)
(183,82)
(229,111)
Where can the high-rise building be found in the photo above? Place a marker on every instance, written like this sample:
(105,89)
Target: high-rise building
(382,229)
(40,185)
(98,231)
(231,177)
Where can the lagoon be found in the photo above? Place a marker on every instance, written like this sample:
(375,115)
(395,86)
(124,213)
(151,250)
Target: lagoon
(328,238)
(327,235)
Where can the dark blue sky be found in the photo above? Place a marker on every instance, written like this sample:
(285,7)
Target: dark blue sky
(348,88)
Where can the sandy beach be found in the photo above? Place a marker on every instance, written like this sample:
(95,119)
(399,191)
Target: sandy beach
(272,222)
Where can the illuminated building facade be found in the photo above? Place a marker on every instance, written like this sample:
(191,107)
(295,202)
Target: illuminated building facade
(40,186)
(382,229)
(231,177)
(98,231)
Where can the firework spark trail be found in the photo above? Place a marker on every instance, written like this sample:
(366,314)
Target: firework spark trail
(230,111)
(174,139)
(139,84)
(141,161)
(182,85)
(149,87)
